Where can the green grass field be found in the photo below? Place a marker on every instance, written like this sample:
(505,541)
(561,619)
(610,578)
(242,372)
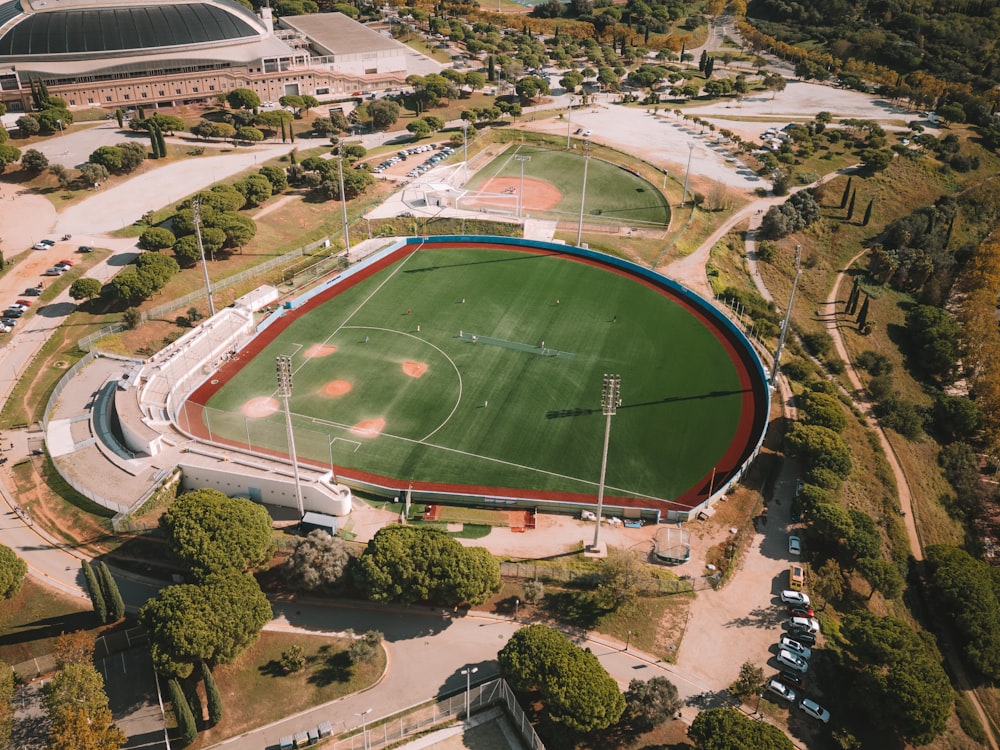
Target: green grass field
(613,194)
(542,428)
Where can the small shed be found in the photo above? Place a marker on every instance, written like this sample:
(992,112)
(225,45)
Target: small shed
(312,521)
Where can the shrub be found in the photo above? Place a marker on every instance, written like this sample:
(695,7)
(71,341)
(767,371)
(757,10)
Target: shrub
(186,726)
(213,695)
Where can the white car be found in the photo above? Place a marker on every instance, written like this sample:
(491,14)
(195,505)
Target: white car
(44,244)
(791,660)
(804,624)
(781,690)
(795,597)
(795,647)
(794,545)
(815,710)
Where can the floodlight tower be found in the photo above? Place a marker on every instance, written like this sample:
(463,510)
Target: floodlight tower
(196,220)
(610,401)
(343,200)
(687,175)
(788,314)
(284,371)
(465,151)
(583,192)
(520,195)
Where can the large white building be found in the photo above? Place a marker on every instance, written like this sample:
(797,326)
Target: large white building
(124,53)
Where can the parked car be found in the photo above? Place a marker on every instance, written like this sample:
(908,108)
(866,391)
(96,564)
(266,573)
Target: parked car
(795,597)
(794,545)
(793,678)
(85,249)
(803,624)
(18,306)
(65,263)
(25,303)
(32,292)
(805,637)
(52,272)
(794,646)
(800,612)
(781,690)
(9,322)
(791,660)
(13,312)
(812,708)
(44,244)
(796,513)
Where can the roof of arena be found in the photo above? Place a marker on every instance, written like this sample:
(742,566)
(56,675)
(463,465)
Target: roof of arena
(338,33)
(95,27)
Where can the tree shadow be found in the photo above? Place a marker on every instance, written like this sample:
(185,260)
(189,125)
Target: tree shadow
(581,609)
(329,668)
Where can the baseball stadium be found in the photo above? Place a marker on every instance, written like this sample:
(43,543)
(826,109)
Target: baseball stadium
(469,370)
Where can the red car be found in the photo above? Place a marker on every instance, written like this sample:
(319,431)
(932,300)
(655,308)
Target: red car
(25,302)
(65,263)
(800,612)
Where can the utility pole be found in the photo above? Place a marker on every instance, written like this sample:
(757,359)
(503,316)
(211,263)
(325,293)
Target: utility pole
(687,176)
(196,220)
(284,372)
(583,192)
(788,314)
(610,401)
(343,200)
(520,194)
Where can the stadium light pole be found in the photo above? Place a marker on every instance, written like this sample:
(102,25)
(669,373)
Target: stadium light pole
(611,392)
(788,314)
(468,688)
(687,174)
(465,151)
(569,121)
(364,727)
(520,195)
(196,220)
(583,192)
(343,199)
(284,372)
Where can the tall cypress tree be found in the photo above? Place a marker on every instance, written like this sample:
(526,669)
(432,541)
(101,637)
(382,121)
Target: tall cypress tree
(703,60)
(112,595)
(847,192)
(868,213)
(152,141)
(291,132)
(161,141)
(120,117)
(186,725)
(850,208)
(491,69)
(709,67)
(213,695)
(863,315)
(43,94)
(94,589)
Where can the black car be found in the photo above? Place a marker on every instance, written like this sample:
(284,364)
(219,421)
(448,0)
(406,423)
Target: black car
(804,637)
(85,249)
(9,321)
(796,511)
(13,312)
(792,678)
(32,292)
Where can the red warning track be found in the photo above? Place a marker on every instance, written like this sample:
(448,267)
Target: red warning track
(753,408)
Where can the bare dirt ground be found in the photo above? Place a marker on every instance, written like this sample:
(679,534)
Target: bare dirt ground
(26,218)
(538,195)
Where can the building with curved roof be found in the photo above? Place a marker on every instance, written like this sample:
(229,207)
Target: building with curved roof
(126,53)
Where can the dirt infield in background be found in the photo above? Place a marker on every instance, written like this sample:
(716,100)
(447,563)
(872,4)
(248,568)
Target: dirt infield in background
(337,388)
(369,428)
(260,407)
(414,369)
(539,195)
(319,350)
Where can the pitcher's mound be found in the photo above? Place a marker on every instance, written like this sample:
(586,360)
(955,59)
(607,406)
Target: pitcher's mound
(319,350)
(260,407)
(369,428)
(337,388)
(414,369)
(539,195)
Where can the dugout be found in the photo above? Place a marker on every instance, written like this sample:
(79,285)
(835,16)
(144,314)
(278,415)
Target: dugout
(312,521)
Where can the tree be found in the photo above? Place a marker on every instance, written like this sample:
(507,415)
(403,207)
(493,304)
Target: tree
(157,269)
(750,681)
(901,683)
(242,98)
(575,689)
(239,229)
(131,318)
(94,589)
(366,648)
(85,289)
(819,447)
(249,134)
(316,562)
(728,729)
(78,686)
(933,336)
(213,696)
(109,588)
(256,188)
(110,157)
(186,725)
(530,87)
(28,125)
(824,410)
(213,533)
(94,174)
(80,730)
(882,576)
(409,564)
(156,239)
(621,578)
(419,128)
(277,178)
(214,621)
(384,113)
(649,703)
(293,659)
(76,647)
(34,161)
(12,572)
(7,679)
(828,581)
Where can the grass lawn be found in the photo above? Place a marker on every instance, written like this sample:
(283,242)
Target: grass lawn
(612,192)
(32,620)
(255,691)
(500,413)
